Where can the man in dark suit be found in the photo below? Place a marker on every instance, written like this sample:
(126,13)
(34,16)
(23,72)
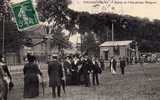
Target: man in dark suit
(55,73)
(122,65)
(67,65)
(86,70)
(95,71)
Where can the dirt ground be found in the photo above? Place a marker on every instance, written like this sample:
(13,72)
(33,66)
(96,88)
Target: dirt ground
(138,83)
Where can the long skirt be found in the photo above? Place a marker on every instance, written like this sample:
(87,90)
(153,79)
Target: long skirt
(74,78)
(31,86)
(3,89)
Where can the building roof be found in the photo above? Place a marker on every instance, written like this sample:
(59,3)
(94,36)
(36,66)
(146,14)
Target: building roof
(115,43)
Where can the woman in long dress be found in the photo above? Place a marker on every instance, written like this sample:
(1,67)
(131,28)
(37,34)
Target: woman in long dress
(3,85)
(31,80)
(113,64)
(6,83)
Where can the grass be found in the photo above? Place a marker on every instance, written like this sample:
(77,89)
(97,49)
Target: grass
(139,83)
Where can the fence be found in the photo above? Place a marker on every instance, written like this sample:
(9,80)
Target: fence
(14,59)
(18,77)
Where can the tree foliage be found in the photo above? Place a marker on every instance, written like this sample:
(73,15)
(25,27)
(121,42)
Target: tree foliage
(144,31)
(54,13)
(13,39)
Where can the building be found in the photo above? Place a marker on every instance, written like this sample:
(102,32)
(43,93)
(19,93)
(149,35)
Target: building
(40,44)
(118,49)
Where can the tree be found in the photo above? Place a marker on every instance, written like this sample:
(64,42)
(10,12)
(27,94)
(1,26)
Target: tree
(54,13)
(90,46)
(125,28)
(13,38)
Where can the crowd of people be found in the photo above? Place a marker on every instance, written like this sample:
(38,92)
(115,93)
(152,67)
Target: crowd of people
(78,70)
(72,70)
(114,63)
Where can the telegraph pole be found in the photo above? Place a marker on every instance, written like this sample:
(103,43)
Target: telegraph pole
(112,25)
(3,35)
(112,31)
(2,16)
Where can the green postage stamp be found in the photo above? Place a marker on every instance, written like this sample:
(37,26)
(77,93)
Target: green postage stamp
(25,15)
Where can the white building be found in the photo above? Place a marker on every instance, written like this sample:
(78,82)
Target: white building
(118,49)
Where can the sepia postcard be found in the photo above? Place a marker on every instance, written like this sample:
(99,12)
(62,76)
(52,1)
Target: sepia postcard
(79,50)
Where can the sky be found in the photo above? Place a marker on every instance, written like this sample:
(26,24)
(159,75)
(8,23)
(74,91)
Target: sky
(139,8)
(16,1)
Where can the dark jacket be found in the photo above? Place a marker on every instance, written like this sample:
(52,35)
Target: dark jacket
(122,63)
(55,73)
(5,70)
(75,66)
(31,81)
(96,68)
(31,68)
(31,71)
(86,66)
(102,63)
(67,66)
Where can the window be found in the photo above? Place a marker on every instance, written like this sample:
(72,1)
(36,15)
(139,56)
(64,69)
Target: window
(116,50)
(106,55)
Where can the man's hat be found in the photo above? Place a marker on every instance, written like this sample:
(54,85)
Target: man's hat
(31,58)
(68,56)
(54,56)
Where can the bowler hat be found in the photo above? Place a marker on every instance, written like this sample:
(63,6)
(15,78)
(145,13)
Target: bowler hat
(54,56)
